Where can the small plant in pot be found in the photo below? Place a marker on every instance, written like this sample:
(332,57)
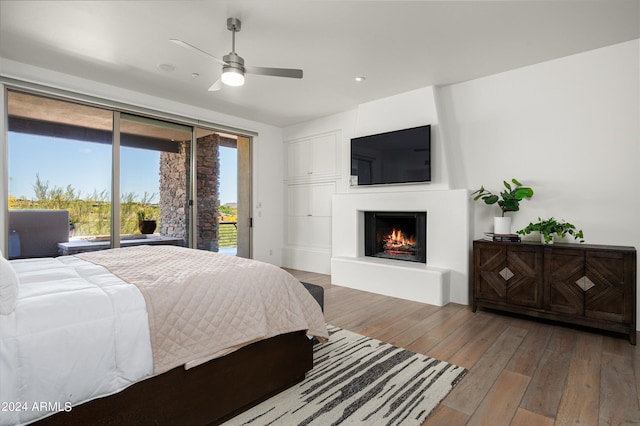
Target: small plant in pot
(146,225)
(548,228)
(508,200)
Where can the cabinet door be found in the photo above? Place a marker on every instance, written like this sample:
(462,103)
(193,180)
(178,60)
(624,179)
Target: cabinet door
(323,155)
(564,270)
(489,262)
(298,200)
(298,159)
(524,286)
(320,198)
(608,294)
(312,199)
(308,231)
(309,214)
(313,158)
(508,273)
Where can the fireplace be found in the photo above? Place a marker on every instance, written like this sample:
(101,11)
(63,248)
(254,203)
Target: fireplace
(396,235)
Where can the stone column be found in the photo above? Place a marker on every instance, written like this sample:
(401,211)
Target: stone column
(174,190)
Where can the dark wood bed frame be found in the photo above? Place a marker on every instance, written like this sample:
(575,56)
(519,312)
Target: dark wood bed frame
(207,394)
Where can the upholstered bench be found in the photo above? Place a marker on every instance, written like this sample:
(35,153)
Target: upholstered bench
(317,292)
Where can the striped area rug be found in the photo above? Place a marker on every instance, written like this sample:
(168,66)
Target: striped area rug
(359,380)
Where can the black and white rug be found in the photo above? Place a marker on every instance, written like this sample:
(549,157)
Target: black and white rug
(359,380)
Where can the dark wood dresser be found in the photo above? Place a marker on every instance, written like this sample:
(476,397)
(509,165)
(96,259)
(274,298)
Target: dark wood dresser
(583,284)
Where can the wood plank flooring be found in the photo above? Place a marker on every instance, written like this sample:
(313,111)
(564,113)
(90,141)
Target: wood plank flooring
(521,371)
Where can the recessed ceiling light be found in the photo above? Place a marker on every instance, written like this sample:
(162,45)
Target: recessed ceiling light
(166,67)
(195,75)
(360,79)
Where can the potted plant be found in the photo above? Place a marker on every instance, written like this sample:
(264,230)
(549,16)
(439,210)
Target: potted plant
(548,228)
(73,220)
(508,200)
(146,225)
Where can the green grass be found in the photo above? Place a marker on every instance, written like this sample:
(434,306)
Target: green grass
(228,235)
(91,215)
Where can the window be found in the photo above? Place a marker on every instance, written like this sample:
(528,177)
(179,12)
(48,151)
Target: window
(75,185)
(154,184)
(59,173)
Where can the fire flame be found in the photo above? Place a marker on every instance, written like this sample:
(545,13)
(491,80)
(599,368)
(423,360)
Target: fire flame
(397,238)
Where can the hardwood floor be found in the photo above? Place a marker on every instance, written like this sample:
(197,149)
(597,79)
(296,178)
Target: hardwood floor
(521,371)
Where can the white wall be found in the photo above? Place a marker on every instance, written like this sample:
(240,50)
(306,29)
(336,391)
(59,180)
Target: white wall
(570,128)
(267,155)
(402,111)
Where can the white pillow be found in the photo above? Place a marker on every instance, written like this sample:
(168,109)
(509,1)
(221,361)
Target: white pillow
(8,287)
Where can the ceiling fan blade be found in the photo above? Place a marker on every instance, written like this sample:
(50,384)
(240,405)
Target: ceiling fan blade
(276,72)
(216,86)
(195,49)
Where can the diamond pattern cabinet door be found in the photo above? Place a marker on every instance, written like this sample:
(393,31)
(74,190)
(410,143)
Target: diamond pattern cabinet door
(610,297)
(525,287)
(563,269)
(488,261)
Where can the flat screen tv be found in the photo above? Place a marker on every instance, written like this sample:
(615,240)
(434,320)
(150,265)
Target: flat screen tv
(401,156)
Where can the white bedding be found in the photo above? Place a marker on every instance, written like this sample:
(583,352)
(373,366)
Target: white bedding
(78,333)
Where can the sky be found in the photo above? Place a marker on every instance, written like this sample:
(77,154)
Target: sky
(86,166)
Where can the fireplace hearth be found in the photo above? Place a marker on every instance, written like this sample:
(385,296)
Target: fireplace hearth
(396,235)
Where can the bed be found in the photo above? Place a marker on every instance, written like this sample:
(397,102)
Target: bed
(149,335)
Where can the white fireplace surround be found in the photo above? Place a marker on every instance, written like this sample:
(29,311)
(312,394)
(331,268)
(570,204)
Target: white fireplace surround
(442,280)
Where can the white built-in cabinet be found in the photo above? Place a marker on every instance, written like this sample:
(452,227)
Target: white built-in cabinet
(311,179)
(309,214)
(312,158)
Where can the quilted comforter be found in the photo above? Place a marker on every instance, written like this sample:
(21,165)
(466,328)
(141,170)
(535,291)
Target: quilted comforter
(202,305)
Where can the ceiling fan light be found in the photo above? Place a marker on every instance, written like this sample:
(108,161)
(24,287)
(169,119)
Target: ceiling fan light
(232,76)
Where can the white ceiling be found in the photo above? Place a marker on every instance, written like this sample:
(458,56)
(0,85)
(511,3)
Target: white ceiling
(398,46)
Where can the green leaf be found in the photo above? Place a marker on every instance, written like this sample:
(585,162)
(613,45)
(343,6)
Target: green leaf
(510,205)
(516,182)
(523,192)
(490,199)
(479,191)
(507,196)
(506,184)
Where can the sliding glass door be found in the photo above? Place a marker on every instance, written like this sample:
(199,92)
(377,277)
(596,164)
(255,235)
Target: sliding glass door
(154,181)
(244,196)
(59,168)
(223,193)
(84,178)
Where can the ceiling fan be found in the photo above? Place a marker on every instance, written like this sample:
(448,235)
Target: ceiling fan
(233,67)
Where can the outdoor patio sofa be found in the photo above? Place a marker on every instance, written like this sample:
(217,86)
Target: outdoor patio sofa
(36,233)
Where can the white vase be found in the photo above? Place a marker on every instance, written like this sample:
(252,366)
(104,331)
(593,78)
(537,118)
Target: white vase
(545,242)
(502,225)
